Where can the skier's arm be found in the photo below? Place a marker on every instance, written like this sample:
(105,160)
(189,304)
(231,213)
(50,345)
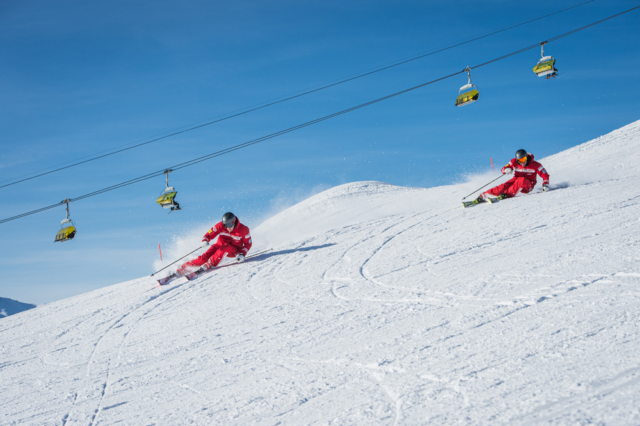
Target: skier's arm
(211,234)
(542,172)
(246,244)
(508,168)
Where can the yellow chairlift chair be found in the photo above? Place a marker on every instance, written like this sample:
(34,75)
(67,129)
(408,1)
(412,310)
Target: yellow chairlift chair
(67,227)
(168,197)
(469,96)
(545,66)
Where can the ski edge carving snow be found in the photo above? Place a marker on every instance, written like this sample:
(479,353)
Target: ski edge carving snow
(193,275)
(196,274)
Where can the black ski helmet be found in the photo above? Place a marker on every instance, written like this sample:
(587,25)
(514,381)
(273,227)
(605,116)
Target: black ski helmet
(228,218)
(522,153)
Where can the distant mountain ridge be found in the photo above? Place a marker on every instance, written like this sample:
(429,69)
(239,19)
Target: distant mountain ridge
(12,307)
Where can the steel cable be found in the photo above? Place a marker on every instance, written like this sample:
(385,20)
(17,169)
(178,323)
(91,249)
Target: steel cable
(294,96)
(303,125)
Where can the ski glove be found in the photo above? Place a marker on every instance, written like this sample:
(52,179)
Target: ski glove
(204,244)
(240,258)
(545,187)
(508,171)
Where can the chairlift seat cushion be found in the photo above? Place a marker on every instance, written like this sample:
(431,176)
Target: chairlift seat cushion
(467,97)
(544,68)
(65,234)
(167,199)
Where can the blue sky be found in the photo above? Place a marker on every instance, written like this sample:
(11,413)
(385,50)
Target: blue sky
(78,78)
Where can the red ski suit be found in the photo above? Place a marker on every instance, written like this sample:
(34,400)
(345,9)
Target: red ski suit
(523,180)
(230,244)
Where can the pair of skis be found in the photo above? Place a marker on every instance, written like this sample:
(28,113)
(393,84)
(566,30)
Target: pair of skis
(194,275)
(466,204)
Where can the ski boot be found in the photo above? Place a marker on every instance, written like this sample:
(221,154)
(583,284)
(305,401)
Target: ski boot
(167,279)
(204,268)
(181,271)
(186,269)
(478,200)
(498,198)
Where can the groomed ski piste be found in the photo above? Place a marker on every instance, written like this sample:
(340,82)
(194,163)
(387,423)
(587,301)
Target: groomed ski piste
(379,305)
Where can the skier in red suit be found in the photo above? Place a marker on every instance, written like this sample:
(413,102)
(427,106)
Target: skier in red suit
(524,168)
(234,240)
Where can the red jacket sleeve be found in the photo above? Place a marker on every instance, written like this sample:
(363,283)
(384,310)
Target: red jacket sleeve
(211,234)
(510,165)
(246,242)
(542,172)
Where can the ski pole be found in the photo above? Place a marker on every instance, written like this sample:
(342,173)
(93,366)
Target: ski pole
(175,261)
(484,186)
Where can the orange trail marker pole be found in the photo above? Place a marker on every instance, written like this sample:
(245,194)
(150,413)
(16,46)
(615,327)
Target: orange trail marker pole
(160,250)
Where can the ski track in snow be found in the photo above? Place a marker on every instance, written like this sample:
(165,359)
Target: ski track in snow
(104,387)
(412,312)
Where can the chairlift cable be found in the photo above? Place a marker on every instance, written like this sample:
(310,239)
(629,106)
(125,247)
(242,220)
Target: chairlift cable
(300,126)
(246,111)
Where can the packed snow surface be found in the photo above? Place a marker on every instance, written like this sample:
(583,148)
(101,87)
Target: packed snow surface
(379,305)
(11,307)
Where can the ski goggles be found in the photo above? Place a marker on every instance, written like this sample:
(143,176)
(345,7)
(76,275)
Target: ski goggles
(230,224)
(522,160)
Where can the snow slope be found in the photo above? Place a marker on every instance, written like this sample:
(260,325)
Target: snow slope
(379,305)
(12,307)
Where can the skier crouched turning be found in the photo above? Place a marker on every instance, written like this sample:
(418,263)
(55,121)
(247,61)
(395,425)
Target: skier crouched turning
(524,169)
(234,240)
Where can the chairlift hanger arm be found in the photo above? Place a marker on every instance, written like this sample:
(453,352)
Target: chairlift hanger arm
(469,84)
(66,200)
(542,43)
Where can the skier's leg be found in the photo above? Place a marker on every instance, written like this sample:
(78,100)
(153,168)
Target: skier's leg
(521,184)
(500,189)
(202,259)
(196,263)
(527,186)
(225,250)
